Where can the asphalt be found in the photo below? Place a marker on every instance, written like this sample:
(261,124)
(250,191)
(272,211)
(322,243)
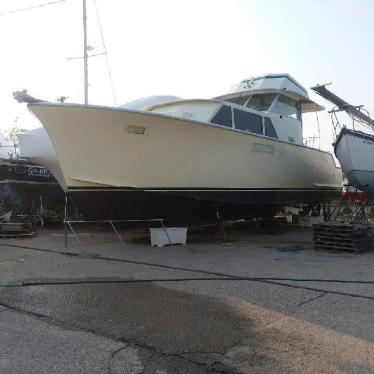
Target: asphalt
(183,309)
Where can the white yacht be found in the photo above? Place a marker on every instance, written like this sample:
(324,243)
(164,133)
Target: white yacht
(354,146)
(35,146)
(238,155)
(15,170)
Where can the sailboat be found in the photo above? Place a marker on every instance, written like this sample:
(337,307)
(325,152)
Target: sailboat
(23,183)
(354,148)
(15,169)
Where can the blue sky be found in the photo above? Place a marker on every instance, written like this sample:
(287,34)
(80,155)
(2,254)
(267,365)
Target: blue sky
(188,48)
(319,40)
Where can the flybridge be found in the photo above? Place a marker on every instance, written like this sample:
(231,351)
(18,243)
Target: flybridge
(275,84)
(342,105)
(270,81)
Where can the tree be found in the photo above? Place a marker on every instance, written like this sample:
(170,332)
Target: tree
(11,136)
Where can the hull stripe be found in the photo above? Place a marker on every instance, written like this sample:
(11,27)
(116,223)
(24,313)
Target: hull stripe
(129,189)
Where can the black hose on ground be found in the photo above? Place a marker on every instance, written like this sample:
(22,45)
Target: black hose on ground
(219,276)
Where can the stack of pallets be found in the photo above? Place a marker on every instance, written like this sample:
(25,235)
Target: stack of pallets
(16,230)
(340,236)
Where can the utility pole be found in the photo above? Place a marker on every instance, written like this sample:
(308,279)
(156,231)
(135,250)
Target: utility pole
(85,56)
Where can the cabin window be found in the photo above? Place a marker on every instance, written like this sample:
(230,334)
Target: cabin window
(269,128)
(247,121)
(287,107)
(261,102)
(240,100)
(223,117)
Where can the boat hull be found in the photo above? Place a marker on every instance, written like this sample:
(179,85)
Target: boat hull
(123,164)
(187,206)
(24,186)
(36,147)
(355,151)
(19,171)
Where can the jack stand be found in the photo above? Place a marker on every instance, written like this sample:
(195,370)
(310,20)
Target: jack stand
(222,232)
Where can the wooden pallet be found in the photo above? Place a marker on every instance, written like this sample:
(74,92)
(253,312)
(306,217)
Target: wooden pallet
(16,230)
(355,238)
(15,235)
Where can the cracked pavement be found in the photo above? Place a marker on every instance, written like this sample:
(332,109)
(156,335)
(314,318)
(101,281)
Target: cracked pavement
(186,326)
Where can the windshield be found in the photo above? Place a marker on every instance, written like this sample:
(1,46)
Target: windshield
(287,107)
(261,102)
(240,100)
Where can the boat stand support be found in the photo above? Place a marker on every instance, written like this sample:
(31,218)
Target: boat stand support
(354,212)
(68,225)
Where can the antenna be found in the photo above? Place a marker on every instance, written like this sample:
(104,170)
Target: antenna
(85,55)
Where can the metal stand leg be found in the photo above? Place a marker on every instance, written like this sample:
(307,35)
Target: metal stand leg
(74,233)
(65,219)
(65,234)
(118,235)
(41,211)
(68,223)
(222,231)
(91,232)
(166,233)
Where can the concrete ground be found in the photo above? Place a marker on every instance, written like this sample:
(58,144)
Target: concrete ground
(96,308)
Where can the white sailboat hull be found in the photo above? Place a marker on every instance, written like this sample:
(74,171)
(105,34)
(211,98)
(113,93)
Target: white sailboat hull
(36,146)
(103,151)
(355,152)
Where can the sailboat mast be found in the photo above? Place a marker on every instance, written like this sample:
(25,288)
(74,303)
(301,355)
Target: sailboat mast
(85,56)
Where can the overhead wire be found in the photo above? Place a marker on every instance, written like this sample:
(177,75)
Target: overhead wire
(101,33)
(105,53)
(31,7)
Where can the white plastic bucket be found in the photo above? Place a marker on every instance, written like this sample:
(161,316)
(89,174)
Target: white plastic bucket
(168,236)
